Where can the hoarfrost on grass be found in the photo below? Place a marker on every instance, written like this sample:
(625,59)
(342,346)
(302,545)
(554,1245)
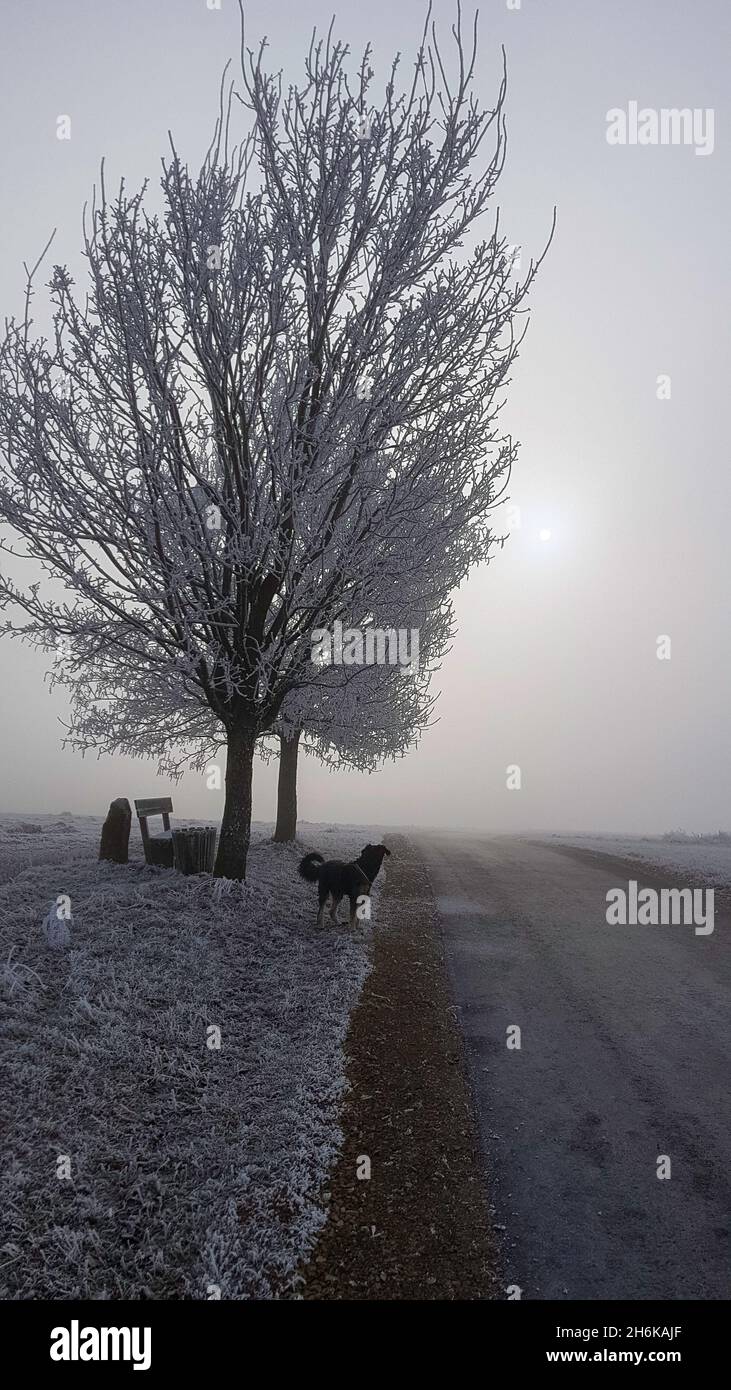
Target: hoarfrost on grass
(190,1166)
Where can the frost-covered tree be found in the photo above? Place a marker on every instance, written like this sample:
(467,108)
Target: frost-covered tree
(363,714)
(277,396)
(383,720)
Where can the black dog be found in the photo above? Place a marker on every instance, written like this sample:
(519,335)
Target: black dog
(340,880)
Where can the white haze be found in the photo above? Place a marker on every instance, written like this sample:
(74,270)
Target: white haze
(554,667)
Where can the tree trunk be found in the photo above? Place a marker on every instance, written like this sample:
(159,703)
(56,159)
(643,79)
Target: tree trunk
(233,843)
(286,828)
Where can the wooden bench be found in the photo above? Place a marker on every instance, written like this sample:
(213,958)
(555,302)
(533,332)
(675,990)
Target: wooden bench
(158,848)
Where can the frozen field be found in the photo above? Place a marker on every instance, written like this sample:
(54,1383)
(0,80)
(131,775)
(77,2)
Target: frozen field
(142,1162)
(703,857)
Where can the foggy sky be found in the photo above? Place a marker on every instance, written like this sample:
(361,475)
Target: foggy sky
(554,667)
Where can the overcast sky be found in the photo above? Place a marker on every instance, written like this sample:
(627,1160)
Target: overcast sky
(555,665)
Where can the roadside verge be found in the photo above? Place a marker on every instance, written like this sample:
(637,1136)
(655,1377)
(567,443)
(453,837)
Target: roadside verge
(418,1226)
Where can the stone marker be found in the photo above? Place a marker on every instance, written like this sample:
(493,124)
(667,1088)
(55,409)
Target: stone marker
(115,832)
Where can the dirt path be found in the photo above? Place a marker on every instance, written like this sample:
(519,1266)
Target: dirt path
(419,1226)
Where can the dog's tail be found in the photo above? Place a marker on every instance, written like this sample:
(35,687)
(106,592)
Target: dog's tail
(310,866)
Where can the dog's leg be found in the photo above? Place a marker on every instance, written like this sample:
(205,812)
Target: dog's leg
(334,905)
(322,894)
